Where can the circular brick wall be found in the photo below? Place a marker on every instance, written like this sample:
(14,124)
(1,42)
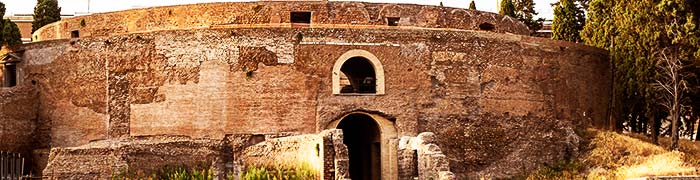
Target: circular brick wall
(500,104)
(266,13)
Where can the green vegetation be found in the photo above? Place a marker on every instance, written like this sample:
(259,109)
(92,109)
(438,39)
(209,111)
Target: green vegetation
(609,155)
(569,20)
(304,172)
(566,169)
(10,33)
(82,22)
(2,9)
(45,12)
(472,5)
(642,36)
(171,173)
(507,8)
(525,12)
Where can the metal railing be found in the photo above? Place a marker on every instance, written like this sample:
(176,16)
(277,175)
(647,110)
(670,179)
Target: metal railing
(11,166)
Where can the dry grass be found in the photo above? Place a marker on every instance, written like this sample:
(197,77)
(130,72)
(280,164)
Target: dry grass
(615,156)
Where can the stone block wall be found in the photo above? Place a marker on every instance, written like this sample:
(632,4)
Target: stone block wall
(422,158)
(336,161)
(18,116)
(128,158)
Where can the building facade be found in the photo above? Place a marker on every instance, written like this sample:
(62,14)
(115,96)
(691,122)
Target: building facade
(351,89)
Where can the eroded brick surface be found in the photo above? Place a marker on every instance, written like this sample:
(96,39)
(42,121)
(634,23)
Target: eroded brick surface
(132,157)
(500,105)
(18,117)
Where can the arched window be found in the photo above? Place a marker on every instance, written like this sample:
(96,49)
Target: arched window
(358,72)
(357,76)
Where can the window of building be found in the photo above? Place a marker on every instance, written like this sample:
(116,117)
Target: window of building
(300,17)
(358,72)
(392,21)
(75,34)
(487,26)
(357,76)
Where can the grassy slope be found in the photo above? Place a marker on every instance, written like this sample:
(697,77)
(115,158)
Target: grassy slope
(609,155)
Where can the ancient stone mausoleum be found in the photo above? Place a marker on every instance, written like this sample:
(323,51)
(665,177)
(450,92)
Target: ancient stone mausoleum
(348,89)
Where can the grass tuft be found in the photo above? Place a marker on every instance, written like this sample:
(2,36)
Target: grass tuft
(170,173)
(304,172)
(616,156)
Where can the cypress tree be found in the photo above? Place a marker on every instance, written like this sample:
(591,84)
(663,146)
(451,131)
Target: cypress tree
(2,23)
(45,12)
(2,9)
(11,34)
(525,12)
(472,5)
(636,33)
(507,8)
(568,21)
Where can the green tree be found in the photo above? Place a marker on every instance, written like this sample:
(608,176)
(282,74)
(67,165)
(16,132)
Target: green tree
(568,21)
(472,5)
(525,12)
(507,8)
(11,34)
(2,9)
(636,33)
(2,23)
(45,12)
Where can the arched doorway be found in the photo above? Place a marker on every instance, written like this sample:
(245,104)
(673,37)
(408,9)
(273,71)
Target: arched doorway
(377,131)
(362,137)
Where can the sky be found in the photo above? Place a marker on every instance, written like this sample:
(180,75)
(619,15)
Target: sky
(81,6)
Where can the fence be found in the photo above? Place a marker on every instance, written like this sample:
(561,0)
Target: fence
(11,166)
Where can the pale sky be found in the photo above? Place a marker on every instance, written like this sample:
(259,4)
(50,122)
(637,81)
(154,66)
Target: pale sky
(73,6)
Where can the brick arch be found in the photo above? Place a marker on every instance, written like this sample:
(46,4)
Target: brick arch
(389,142)
(377,65)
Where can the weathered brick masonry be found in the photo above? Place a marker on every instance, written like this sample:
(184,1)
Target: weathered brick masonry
(18,118)
(499,104)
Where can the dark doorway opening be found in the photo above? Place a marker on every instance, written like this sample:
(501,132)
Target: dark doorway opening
(357,76)
(300,17)
(9,75)
(362,136)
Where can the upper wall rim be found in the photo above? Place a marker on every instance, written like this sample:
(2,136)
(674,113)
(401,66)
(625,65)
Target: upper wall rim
(270,12)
